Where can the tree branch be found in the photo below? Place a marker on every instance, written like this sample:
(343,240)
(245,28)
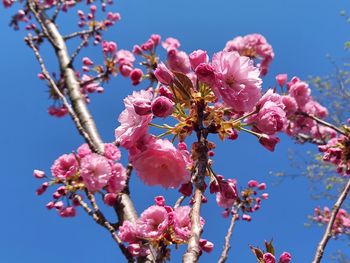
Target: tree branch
(193,250)
(103,222)
(227,246)
(328,233)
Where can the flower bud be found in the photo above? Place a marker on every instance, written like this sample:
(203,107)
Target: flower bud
(162,107)
(110,199)
(197,57)
(163,74)
(285,257)
(281,79)
(136,76)
(39,174)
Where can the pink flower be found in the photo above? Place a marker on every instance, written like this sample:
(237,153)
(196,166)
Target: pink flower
(68,211)
(162,107)
(153,222)
(83,150)
(240,85)
(285,257)
(254,46)
(163,74)
(161,164)
(133,126)
(282,79)
(197,57)
(95,171)
(300,91)
(269,258)
(290,104)
(271,118)
(179,61)
(206,74)
(65,166)
(253,183)
(111,152)
(125,57)
(39,174)
(136,76)
(223,201)
(314,108)
(170,43)
(117,181)
(182,222)
(128,232)
(269,142)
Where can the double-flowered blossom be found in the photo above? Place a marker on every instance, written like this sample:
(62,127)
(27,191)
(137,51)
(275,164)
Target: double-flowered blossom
(341,224)
(254,46)
(160,224)
(84,170)
(160,163)
(239,83)
(132,125)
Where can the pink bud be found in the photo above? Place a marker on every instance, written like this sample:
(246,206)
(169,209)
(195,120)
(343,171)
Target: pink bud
(159,200)
(87,61)
(282,79)
(50,205)
(206,245)
(206,73)
(265,196)
(125,69)
(110,199)
(269,258)
(252,183)
(214,187)
(39,174)
(262,186)
(42,188)
(137,50)
(93,9)
(68,211)
(164,91)
(269,142)
(56,195)
(58,205)
(155,38)
(246,217)
(136,76)
(197,57)
(163,74)
(186,189)
(142,106)
(62,190)
(162,107)
(41,76)
(285,257)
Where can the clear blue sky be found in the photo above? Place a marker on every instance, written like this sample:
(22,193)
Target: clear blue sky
(301,32)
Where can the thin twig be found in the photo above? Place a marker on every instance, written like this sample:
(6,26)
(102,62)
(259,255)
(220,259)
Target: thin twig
(328,233)
(322,122)
(98,77)
(227,246)
(52,84)
(82,33)
(103,222)
(77,51)
(57,11)
(179,201)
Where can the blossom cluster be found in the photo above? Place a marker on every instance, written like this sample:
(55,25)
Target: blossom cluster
(336,151)
(84,170)
(159,225)
(269,256)
(341,224)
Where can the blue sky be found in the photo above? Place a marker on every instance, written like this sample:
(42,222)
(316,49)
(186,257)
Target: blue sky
(301,33)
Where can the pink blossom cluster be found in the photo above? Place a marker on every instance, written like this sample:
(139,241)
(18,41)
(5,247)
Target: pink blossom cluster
(337,151)
(341,224)
(285,257)
(247,201)
(156,161)
(90,17)
(84,169)
(299,102)
(269,256)
(159,224)
(254,46)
